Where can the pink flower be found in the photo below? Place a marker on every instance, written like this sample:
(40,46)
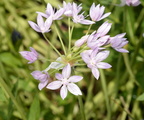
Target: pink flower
(118,42)
(41,26)
(132,2)
(42,76)
(31,55)
(79,18)
(96,12)
(93,60)
(66,82)
(51,12)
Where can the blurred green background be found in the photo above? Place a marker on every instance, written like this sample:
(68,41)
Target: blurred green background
(19,94)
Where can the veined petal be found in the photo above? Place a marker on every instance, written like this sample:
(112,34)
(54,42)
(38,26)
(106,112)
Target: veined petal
(81,41)
(54,85)
(58,76)
(121,50)
(74,89)
(85,57)
(66,71)
(63,92)
(95,72)
(40,21)
(42,85)
(34,26)
(105,15)
(48,22)
(103,65)
(36,74)
(101,56)
(75,78)
(87,22)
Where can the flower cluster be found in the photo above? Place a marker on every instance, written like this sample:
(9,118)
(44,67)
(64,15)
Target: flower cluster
(90,49)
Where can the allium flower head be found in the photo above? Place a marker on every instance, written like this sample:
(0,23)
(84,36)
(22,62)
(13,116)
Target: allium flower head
(93,60)
(41,26)
(66,82)
(96,12)
(118,42)
(42,76)
(31,55)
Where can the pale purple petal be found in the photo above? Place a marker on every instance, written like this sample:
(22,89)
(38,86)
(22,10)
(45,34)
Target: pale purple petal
(43,14)
(36,74)
(103,65)
(105,15)
(74,89)
(81,41)
(95,72)
(54,85)
(40,21)
(58,14)
(121,50)
(34,26)
(63,92)
(85,56)
(58,76)
(104,28)
(48,22)
(75,78)
(42,85)
(102,55)
(86,22)
(66,71)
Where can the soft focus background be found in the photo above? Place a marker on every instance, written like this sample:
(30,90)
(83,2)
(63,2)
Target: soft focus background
(19,94)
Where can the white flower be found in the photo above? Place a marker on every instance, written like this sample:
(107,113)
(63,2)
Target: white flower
(66,82)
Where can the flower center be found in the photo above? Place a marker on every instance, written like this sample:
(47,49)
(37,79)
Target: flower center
(65,81)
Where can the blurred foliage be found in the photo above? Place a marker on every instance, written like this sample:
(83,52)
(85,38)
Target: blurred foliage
(124,85)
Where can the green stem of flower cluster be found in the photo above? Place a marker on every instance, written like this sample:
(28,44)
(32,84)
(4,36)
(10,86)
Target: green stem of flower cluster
(104,87)
(81,108)
(52,45)
(89,29)
(69,34)
(17,105)
(62,44)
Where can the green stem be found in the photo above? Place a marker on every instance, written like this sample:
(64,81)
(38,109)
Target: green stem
(89,29)
(52,45)
(103,80)
(69,34)
(60,40)
(81,108)
(8,91)
(127,63)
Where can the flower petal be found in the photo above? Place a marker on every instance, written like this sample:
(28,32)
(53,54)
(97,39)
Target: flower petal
(102,55)
(75,78)
(95,72)
(54,85)
(63,92)
(58,76)
(66,71)
(34,26)
(42,85)
(103,65)
(74,89)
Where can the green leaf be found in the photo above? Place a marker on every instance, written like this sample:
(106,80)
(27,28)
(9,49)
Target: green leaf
(2,96)
(9,59)
(34,113)
(141,97)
